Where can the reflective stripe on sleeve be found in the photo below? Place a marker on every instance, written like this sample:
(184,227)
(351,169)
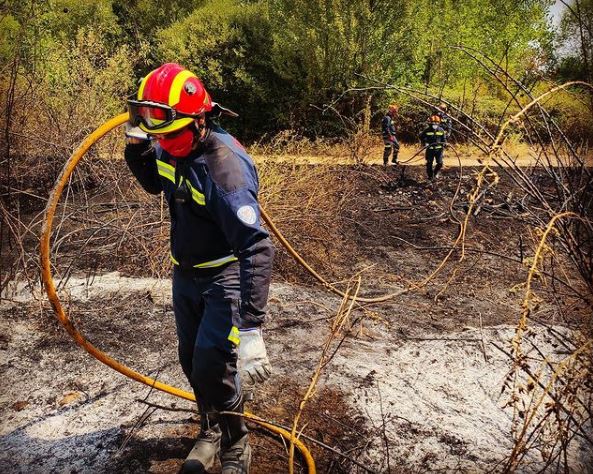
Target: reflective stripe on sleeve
(196,195)
(166,170)
(234,336)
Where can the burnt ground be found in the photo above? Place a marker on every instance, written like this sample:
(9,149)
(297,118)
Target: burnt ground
(414,387)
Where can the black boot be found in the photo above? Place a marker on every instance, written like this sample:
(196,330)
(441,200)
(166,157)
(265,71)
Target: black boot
(235,452)
(207,448)
(386,153)
(237,458)
(437,169)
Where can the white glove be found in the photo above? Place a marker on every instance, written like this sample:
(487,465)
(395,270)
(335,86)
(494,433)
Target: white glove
(135,134)
(253,365)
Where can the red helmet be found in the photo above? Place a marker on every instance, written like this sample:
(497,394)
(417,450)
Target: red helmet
(169,98)
(434,119)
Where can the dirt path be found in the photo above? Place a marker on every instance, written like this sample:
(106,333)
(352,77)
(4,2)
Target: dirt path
(469,156)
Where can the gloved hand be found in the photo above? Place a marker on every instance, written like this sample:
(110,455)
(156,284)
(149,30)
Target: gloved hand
(135,134)
(253,365)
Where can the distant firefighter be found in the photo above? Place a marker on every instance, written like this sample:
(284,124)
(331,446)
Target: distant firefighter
(389,138)
(434,138)
(445,119)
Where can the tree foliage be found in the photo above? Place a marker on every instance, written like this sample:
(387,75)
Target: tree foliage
(577,37)
(277,62)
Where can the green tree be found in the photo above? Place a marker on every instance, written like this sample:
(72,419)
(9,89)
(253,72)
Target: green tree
(72,70)
(576,35)
(227,43)
(322,47)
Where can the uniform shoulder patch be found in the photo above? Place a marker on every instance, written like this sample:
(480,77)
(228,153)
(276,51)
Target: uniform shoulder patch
(247,214)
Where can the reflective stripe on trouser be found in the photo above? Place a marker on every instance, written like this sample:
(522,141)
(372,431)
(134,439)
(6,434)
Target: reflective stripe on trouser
(211,263)
(206,315)
(431,155)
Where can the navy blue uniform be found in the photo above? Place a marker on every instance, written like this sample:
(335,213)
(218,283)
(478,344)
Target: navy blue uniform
(434,139)
(222,256)
(389,139)
(446,124)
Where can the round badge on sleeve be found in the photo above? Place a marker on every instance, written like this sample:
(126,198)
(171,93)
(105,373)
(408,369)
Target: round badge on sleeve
(247,214)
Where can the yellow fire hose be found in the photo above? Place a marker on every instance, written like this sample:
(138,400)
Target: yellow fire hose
(67,323)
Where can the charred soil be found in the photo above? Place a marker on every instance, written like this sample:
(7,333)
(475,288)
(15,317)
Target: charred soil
(415,385)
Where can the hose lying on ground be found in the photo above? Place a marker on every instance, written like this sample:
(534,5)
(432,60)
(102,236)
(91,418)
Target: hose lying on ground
(106,359)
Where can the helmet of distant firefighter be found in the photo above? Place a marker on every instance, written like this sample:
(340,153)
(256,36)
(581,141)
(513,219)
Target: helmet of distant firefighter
(434,121)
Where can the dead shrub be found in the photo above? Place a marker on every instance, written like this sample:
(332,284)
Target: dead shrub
(306,203)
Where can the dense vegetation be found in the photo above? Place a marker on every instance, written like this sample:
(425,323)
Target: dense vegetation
(326,70)
(68,65)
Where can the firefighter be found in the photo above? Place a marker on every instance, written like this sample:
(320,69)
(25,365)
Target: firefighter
(442,112)
(222,257)
(434,138)
(389,138)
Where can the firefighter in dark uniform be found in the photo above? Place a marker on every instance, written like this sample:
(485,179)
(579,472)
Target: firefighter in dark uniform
(388,133)
(434,138)
(222,256)
(446,123)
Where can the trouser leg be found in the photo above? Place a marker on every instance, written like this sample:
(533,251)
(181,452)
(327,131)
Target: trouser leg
(429,161)
(188,308)
(235,452)
(386,152)
(439,162)
(214,374)
(395,146)
(206,309)
(233,426)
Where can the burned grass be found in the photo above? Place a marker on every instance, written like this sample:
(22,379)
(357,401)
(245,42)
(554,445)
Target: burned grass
(389,226)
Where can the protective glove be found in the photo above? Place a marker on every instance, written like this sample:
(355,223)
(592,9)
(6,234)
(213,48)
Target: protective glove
(135,134)
(253,365)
